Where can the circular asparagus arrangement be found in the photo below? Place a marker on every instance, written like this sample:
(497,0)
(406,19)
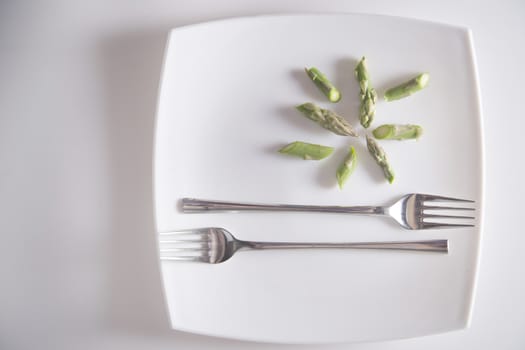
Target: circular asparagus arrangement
(338,125)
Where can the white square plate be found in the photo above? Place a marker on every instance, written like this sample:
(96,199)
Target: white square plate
(226,106)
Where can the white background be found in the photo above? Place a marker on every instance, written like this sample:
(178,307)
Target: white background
(78,86)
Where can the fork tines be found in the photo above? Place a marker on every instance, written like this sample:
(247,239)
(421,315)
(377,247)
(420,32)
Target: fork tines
(431,198)
(184,245)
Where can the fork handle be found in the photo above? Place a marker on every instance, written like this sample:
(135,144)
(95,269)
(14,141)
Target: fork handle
(192,205)
(436,245)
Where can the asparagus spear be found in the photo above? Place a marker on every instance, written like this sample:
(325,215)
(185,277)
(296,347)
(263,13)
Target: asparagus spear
(380,157)
(308,151)
(398,132)
(347,167)
(367,94)
(322,82)
(407,88)
(327,119)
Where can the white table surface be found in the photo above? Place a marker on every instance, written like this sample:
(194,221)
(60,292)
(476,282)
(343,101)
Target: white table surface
(78,86)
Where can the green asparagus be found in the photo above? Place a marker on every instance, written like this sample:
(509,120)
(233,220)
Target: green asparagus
(327,119)
(347,167)
(367,94)
(407,88)
(322,82)
(308,151)
(380,157)
(398,132)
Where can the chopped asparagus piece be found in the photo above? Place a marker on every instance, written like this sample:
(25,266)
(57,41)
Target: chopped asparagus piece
(322,82)
(407,88)
(347,167)
(398,132)
(367,94)
(380,157)
(308,151)
(327,119)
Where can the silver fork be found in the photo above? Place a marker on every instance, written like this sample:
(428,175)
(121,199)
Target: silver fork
(410,211)
(214,245)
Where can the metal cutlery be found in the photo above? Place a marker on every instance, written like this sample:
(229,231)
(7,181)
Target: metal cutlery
(215,245)
(410,211)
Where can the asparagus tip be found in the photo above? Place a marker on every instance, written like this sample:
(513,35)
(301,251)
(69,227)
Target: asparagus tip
(423,79)
(340,182)
(334,95)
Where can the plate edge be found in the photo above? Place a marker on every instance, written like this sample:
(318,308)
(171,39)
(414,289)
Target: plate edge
(185,27)
(154,170)
(263,340)
(481,145)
